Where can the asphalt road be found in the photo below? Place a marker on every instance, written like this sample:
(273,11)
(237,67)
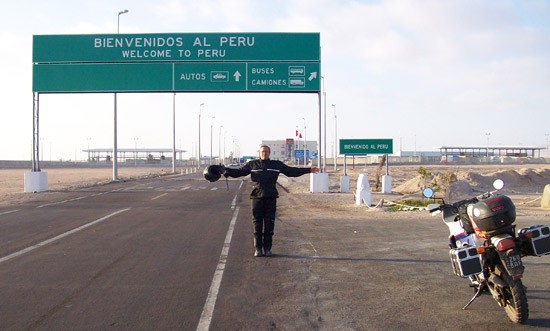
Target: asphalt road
(175,253)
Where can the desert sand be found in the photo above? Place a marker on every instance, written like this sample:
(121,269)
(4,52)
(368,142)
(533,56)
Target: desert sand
(525,182)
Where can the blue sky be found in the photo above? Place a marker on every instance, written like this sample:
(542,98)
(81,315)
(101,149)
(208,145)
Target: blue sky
(424,73)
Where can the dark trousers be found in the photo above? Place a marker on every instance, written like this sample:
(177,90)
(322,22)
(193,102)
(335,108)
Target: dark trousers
(263,213)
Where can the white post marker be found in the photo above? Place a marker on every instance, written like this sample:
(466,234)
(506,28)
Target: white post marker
(362,195)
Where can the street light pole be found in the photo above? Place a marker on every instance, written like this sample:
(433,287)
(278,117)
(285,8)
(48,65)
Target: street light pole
(135,151)
(547,135)
(115,147)
(199,158)
(335,137)
(325,126)
(305,140)
(211,127)
(220,145)
(487,155)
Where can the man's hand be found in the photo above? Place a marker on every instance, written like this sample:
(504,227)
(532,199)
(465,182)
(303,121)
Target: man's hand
(223,171)
(314,170)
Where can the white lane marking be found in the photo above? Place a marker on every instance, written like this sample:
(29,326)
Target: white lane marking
(159,196)
(185,188)
(213,189)
(208,309)
(10,211)
(45,242)
(60,202)
(75,199)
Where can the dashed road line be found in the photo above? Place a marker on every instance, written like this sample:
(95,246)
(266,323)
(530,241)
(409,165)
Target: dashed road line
(159,196)
(49,241)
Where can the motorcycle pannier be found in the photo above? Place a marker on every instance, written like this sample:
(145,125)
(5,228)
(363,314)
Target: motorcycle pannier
(493,214)
(537,239)
(466,261)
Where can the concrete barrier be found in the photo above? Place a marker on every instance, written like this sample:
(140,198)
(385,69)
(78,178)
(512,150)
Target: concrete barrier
(545,201)
(386,184)
(36,181)
(344,184)
(318,182)
(362,194)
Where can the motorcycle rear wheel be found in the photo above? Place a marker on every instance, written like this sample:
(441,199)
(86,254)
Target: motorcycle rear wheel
(515,300)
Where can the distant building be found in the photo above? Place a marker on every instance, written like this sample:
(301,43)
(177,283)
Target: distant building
(292,149)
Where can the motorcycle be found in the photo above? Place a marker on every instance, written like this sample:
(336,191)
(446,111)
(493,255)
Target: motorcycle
(486,249)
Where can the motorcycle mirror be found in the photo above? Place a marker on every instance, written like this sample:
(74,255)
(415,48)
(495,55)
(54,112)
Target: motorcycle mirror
(498,184)
(428,192)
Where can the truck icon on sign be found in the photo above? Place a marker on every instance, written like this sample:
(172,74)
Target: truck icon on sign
(297,82)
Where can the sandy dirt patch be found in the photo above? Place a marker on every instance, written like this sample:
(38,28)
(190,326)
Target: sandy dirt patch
(524,183)
(61,179)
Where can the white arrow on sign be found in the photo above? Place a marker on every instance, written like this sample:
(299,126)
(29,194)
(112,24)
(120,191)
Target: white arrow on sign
(313,76)
(237,75)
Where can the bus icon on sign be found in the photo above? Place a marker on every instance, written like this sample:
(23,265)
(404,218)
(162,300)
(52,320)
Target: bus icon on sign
(296,71)
(219,76)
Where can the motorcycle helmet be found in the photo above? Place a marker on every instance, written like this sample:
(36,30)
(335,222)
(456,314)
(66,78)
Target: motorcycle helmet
(212,173)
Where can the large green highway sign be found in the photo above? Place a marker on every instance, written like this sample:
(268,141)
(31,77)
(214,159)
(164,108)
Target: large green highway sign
(366,146)
(201,62)
(173,47)
(177,77)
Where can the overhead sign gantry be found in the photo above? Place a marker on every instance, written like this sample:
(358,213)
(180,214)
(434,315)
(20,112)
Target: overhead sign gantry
(173,62)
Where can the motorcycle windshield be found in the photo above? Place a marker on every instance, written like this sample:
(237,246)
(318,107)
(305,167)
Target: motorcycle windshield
(449,216)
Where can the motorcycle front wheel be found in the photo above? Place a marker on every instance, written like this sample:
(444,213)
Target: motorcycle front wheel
(515,300)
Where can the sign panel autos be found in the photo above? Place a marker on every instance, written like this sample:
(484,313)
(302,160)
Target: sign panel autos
(171,62)
(366,146)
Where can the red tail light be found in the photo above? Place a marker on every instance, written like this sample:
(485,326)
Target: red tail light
(505,244)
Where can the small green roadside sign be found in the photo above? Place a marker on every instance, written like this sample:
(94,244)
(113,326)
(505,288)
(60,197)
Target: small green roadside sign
(366,146)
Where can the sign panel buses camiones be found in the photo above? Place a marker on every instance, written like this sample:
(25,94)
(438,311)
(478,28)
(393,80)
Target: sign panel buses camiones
(233,62)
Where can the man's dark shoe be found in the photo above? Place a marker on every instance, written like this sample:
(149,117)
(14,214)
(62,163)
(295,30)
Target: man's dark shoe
(268,252)
(258,252)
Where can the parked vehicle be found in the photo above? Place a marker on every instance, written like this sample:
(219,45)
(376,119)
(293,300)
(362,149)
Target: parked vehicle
(486,249)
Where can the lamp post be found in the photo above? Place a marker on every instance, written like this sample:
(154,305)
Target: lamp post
(297,146)
(220,145)
(305,140)
(488,134)
(199,158)
(325,126)
(88,139)
(233,150)
(135,151)
(335,137)
(547,135)
(115,147)
(211,128)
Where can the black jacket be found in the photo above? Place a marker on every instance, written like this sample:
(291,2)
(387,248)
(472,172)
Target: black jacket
(264,175)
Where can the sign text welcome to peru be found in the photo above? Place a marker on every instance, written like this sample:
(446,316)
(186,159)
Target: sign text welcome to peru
(233,62)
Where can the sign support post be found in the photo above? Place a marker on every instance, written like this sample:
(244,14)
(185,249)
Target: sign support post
(319,181)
